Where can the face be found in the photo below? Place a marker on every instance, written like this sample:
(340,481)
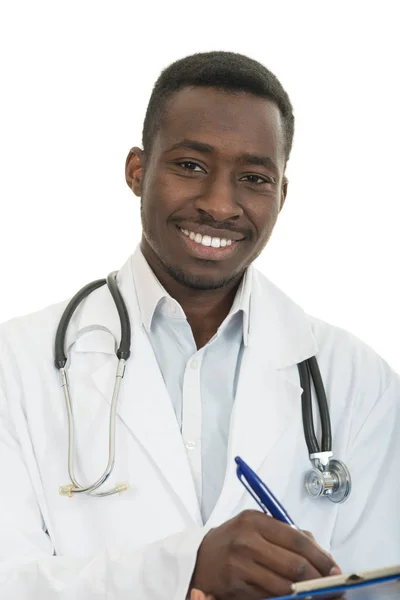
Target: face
(212,187)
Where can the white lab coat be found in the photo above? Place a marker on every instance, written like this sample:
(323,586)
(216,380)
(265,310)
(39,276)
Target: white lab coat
(142,545)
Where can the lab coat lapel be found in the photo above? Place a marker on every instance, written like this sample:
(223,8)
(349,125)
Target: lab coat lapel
(267,396)
(144,404)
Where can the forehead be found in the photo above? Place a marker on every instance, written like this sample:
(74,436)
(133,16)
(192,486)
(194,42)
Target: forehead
(232,122)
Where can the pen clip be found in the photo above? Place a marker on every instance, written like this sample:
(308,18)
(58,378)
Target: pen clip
(244,482)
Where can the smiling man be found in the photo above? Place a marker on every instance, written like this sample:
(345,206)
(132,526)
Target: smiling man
(212,182)
(212,374)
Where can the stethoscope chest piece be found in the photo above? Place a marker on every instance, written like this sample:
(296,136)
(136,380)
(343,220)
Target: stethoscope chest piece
(329,477)
(333,481)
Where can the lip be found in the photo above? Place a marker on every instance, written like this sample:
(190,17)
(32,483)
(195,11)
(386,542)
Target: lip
(212,232)
(208,252)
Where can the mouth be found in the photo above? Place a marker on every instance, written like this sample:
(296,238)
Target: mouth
(209,247)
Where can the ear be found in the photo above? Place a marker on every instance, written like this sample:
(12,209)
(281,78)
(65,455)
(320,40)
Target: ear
(134,170)
(284,190)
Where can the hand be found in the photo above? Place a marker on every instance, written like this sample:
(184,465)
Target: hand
(254,556)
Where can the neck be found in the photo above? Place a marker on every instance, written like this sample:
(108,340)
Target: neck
(205,310)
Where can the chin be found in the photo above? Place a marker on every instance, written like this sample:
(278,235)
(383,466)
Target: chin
(201,281)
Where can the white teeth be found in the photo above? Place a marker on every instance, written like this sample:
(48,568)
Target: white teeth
(207,240)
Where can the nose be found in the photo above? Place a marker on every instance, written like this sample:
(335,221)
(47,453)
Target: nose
(220,199)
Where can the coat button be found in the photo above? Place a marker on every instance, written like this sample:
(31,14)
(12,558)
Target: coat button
(191,445)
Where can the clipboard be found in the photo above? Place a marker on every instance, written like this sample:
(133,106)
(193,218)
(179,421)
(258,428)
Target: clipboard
(378,584)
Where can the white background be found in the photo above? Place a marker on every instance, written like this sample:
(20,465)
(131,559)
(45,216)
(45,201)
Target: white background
(76,77)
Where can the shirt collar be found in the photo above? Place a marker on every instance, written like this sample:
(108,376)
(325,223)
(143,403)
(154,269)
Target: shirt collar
(152,296)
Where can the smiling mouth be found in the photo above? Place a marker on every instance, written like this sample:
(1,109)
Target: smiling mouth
(207,240)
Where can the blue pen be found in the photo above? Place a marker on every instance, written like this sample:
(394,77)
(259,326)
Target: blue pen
(261,494)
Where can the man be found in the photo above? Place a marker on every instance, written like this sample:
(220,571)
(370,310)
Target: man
(212,375)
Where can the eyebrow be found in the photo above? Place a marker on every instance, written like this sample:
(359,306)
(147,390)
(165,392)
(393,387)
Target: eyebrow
(192,145)
(263,161)
(251,159)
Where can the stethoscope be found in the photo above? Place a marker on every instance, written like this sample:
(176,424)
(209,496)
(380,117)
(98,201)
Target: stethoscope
(328,477)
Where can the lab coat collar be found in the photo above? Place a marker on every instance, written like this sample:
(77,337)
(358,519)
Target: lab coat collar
(279,326)
(149,290)
(275,323)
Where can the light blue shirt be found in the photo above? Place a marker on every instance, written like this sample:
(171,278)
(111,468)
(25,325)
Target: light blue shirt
(201,383)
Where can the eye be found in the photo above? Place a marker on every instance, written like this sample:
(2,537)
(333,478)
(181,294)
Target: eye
(257,179)
(189,165)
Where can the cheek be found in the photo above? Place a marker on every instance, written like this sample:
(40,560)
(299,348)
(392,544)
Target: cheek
(161,194)
(264,215)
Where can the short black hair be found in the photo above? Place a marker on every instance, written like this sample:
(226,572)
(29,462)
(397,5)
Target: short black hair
(227,71)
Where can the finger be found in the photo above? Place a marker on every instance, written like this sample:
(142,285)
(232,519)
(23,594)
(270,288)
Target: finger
(259,582)
(282,562)
(199,595)
(336,570)
(284,536)
(308,534)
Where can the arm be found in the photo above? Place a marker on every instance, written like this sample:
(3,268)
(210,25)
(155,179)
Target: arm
(28,569)
(367,531)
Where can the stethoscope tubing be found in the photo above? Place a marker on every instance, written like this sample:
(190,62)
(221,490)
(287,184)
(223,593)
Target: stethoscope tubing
(309,370)
(123,353)
(60,358)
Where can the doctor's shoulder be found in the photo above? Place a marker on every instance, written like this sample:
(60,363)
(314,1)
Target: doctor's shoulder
(31,336)
(27,356)
(359,383)
(353,373)
(27,342)
(353,356)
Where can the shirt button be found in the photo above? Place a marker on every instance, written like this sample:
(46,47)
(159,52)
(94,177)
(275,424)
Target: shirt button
(191,445)
(193,364)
